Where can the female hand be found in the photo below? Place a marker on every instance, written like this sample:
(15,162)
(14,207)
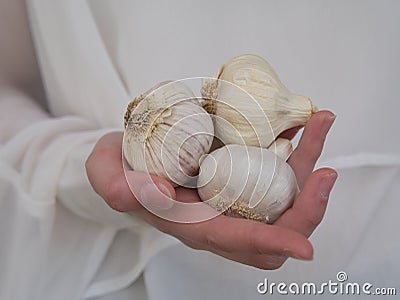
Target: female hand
(245,241)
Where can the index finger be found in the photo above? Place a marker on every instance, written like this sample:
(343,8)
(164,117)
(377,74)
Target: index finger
(310,146)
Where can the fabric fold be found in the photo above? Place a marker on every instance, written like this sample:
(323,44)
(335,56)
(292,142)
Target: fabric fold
(79,76)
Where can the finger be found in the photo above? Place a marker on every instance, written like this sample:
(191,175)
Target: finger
(265,262)
(310,146)
(261,261)
(105,171)
(231,235)
(187,195)
(309,208)
(290,133)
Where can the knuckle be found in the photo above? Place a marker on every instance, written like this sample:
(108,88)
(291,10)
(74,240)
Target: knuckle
(310,156)
(105,151)
(254,240)
(112,194)
(211,241)
(194,246)
(98,154)
(270,262)
(88,163)
(166,230)
(314,155)
(312,222)
(253,243)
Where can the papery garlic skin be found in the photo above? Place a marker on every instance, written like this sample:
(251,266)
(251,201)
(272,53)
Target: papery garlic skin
(282,147)
(249,94)
(166,132)
(248,182)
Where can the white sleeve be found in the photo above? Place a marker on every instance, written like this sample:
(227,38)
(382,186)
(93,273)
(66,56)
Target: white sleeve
(49,209)
(17,110)
(57,233)
(25,123)
(75,191)
(22,112)
(46,203)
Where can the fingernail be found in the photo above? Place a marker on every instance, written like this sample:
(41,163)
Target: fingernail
(305,256)
(327,125)
(299,257)
(326,185)
(156,196)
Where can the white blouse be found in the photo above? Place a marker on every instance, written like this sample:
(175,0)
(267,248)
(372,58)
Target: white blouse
(59,240)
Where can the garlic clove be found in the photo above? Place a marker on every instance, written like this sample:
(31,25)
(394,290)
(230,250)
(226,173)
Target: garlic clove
(282,147)
(166,132)
(248,182)
(248,93)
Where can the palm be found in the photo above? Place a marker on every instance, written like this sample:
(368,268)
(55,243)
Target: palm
(249,242)
(266,246)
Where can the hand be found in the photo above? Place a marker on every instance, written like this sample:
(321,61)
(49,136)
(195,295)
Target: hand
(245,241)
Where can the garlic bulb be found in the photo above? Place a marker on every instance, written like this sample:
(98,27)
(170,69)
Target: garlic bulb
(166,132)
(246,181)
(248,94)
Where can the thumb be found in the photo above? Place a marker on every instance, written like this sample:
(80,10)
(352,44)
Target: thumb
(152,192)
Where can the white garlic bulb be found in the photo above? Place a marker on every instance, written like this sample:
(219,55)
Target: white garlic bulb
(248,94)
(246,181)
(166,132)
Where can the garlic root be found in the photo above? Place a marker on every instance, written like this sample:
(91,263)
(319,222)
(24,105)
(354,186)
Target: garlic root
(246,181)
(166,132)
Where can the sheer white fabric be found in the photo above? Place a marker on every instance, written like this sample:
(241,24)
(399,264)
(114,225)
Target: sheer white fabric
(54,249)
(58,238)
